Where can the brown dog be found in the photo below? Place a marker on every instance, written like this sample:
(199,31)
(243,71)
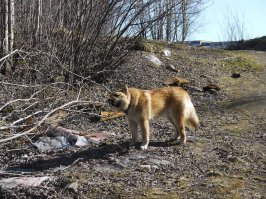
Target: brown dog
(140,106)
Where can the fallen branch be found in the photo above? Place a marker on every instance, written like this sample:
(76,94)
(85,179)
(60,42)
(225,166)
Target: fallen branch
(43,120)
(59,131)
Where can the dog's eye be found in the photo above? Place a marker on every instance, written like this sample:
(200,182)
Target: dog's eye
(116,95)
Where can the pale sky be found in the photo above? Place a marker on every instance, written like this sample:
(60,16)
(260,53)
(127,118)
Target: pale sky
(252,12)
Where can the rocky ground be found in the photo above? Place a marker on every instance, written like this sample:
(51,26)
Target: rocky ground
(224,158)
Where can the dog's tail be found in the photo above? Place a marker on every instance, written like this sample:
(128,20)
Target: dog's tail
(191,118)
(193,121)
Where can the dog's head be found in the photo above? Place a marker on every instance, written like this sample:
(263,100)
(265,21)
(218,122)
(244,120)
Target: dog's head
(120,99)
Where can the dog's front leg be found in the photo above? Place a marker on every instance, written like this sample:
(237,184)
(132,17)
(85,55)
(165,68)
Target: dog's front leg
(144,125)
(134,130)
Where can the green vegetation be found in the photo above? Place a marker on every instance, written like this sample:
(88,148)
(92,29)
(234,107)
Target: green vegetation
(241,61)
(159,193)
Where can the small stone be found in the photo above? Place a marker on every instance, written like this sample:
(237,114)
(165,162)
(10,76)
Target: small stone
(154,59)
(155,167)
(73,186)
(146,167)
(167,52)
(235,75)
(211,87)
(172,68)
(81,141)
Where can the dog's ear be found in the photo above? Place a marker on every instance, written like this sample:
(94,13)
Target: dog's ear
(125,89)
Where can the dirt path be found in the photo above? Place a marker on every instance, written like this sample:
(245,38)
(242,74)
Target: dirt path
(248,94)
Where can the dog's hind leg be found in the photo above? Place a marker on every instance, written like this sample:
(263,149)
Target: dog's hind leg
(178,121)
(176,134)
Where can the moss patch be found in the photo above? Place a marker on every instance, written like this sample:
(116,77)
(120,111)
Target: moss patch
(227,187)
(160,194)
(241,62)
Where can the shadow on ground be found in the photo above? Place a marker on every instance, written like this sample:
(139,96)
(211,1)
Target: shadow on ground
(100,152)
(247,100)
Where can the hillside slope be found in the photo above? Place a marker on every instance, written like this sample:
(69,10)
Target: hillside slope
(225,158)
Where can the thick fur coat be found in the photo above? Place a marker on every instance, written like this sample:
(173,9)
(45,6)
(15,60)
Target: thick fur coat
(140,106)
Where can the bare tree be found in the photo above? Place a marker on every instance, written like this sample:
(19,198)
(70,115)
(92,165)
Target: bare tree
(234,27)
(7,32)
(91,38)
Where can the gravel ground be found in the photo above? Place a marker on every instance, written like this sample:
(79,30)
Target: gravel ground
(225,158)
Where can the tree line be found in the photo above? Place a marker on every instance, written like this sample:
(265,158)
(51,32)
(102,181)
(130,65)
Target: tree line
(88,38)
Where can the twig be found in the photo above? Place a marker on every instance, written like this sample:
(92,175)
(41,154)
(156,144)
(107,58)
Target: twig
(20,85)
(25,118)
(3,58)
(58,108)
(4,128)
(19,135)
(79,93)
(17,100)
(83,78)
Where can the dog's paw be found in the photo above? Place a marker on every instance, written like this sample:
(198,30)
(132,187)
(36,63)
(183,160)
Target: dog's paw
(181,142)
(144,147)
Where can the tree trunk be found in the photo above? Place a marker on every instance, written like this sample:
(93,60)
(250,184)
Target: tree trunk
(38,25)
(12,24)
(6,27)
(2,29)
(184,20)
(168,20)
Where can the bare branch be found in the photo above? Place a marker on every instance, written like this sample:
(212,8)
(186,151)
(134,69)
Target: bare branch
(13,52)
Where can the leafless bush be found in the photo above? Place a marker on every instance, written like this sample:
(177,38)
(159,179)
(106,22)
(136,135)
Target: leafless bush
(54,51)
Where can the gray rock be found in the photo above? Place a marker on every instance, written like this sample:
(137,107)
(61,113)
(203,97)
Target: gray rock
(167,52)
(81,141)
(9,183)
(160,162)
(154,59)
(136,157)
(145,167)
(50,143)
(73,186)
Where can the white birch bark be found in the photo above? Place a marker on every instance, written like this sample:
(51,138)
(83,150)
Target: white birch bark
(12,24)
(6,40)
(184,20)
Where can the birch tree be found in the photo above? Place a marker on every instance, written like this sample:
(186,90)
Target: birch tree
(184,20)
